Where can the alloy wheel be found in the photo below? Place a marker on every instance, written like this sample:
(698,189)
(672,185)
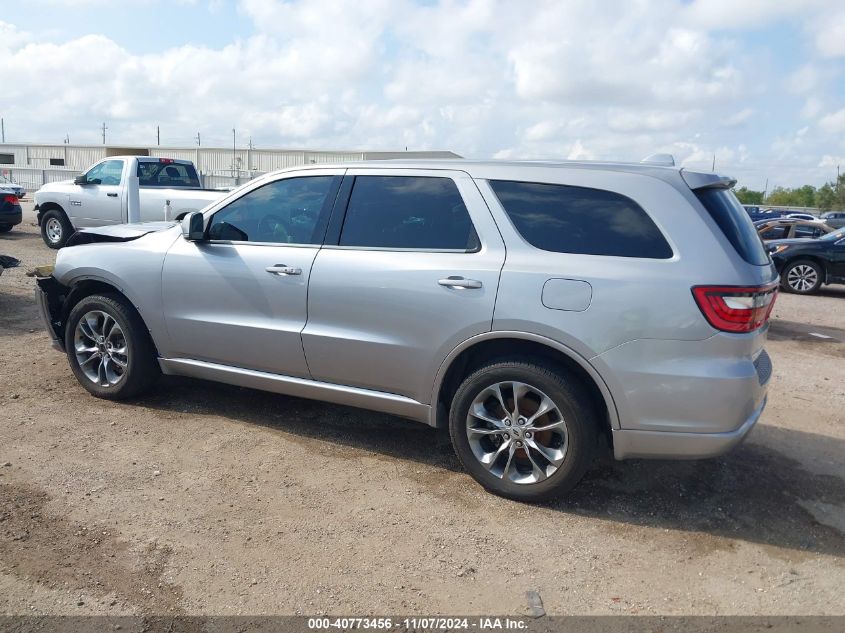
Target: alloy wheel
(802,277)
(101,348)
(517,432)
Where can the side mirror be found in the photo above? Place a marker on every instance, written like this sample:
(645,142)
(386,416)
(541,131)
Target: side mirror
(80,180)
(193,229)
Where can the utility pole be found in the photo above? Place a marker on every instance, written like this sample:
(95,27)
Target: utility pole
(250,143)
(198,140)
(765,190)
(67,138)
(104,132)
(2,131)
(234,156)
(713,168)
(158,135)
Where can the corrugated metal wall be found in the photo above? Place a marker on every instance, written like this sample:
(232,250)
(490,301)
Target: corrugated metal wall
(218,164)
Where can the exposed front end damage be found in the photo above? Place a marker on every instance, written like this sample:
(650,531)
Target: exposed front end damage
(51,297)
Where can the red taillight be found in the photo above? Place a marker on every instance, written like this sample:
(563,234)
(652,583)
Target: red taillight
(13,199)
(736,308)
(166,161)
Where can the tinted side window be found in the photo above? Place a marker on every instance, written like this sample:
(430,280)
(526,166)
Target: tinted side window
(407,212)
(289,211)
(806,231)
(155,174)
(775,233)
(566,219)
(726,211)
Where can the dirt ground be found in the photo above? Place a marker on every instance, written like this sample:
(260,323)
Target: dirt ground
(208,499)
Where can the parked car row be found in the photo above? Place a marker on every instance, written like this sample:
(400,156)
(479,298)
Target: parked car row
(805,264)
(783,228)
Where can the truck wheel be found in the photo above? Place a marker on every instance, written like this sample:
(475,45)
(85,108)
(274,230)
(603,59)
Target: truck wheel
(802,277)
(5,228)
(109,348)
(55,228)
(524,430)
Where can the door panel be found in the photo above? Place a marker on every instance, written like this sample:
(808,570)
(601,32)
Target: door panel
(385,319)
(222,306)
(240,297)
(99,204)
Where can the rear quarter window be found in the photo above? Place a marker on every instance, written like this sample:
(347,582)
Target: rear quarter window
(566,219)
(158,174)
(727,212)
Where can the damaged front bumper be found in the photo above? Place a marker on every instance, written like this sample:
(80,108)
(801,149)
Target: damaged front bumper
(50,296)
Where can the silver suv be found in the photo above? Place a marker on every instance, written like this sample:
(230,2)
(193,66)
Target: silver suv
(533,308)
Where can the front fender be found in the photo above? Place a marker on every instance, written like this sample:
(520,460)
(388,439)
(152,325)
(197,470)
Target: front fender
(131,268)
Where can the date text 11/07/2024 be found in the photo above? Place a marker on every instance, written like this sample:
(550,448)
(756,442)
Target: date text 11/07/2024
(417,624)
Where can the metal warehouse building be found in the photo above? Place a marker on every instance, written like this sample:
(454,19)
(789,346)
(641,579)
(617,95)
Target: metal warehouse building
(33,165)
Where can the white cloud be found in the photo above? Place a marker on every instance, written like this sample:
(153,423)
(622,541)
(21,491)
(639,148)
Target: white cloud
(833,122)
(829,31)
(612,80)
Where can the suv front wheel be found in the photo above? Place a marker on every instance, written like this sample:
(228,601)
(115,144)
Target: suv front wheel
(524,430)
(109,348)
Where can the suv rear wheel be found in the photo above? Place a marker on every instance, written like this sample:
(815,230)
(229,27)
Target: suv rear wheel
(524,430)
(803,277)
(109,348)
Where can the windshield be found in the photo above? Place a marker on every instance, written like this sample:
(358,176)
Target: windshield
(836,235)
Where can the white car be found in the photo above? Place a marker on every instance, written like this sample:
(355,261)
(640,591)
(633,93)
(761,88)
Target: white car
(99,197)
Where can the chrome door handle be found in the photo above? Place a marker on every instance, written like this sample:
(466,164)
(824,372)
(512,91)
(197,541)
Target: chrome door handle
(459,282)
(281,269)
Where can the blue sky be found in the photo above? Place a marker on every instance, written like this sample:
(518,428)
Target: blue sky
(760,85)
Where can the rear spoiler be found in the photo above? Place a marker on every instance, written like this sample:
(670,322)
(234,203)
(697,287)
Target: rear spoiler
(700,180)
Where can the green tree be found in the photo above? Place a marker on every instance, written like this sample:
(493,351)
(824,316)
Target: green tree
(806,196)
(748,196)
(780,197)
(826,197)
(839,190)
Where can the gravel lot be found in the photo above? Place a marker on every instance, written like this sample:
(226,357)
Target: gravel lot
(208,499)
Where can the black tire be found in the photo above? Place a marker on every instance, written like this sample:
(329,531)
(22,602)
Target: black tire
(798,276)
(58,225)
(141,370)
(5,228)
(572,401)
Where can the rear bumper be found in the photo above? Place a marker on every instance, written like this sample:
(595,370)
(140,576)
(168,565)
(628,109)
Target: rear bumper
(11,217)
(667,445)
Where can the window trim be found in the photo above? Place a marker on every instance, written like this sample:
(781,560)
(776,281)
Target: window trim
(341,210)
(328,206)
(518,233)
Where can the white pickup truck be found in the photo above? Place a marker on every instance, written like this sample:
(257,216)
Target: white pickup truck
(100,196)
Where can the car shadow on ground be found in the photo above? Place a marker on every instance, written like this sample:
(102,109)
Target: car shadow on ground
(18,236)
(753,494)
